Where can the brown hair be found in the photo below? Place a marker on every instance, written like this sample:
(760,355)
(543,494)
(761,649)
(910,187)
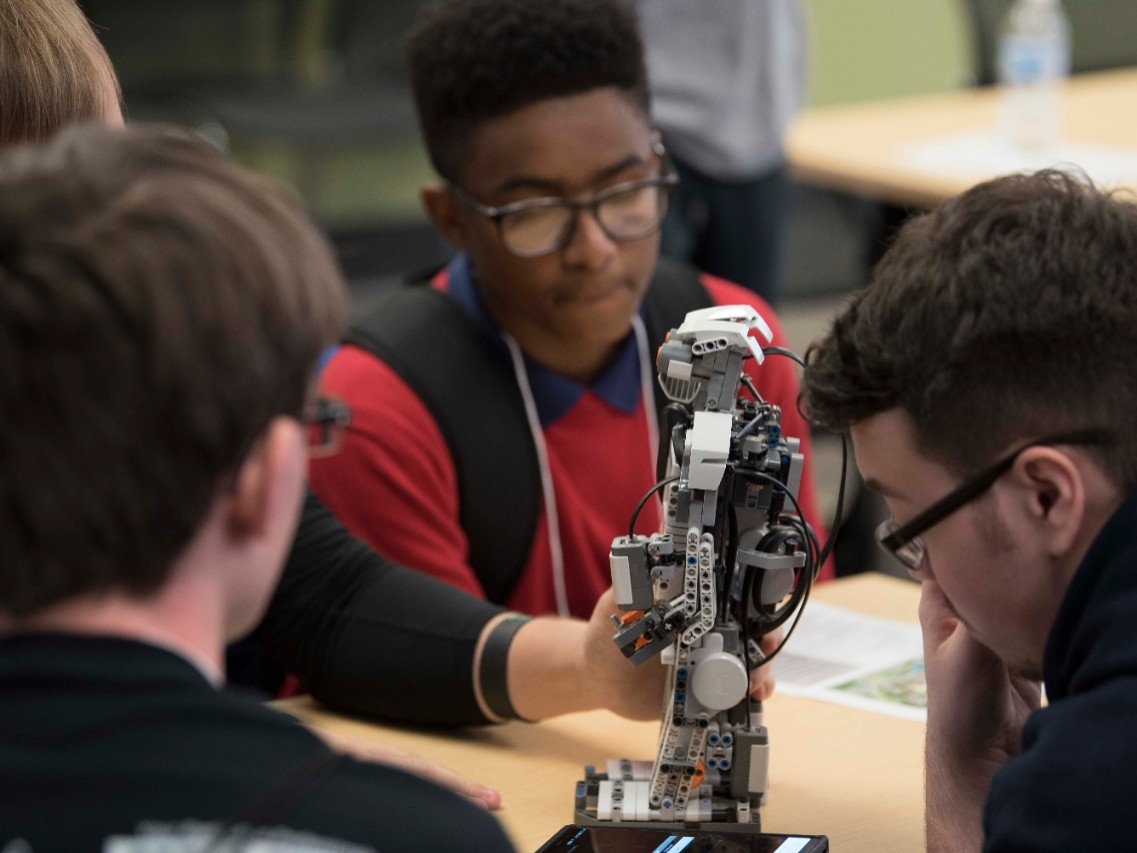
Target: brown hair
(53,70)
(1006,314)
(159,305)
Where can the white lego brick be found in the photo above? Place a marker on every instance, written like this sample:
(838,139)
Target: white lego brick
(710,446)
(621,579)
(604,800)
(677,369)
(631,800)
(637,801)
(642,770)
(759,768)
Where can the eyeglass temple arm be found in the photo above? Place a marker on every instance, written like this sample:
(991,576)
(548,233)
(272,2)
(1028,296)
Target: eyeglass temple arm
(942,509)
(981,483)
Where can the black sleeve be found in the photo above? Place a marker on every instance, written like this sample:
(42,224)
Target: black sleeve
(369,637)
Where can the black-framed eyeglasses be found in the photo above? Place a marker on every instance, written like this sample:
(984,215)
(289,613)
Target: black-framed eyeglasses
(538,226)
(903,540)
(325,420)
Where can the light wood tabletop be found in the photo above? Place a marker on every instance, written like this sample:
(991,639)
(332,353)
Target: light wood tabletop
(853,775)
(865,148)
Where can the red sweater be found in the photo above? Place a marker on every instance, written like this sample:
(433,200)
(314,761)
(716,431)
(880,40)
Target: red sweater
(394,485)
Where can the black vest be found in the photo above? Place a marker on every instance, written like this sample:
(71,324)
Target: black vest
(465,379)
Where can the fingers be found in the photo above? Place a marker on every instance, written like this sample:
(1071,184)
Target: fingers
(771,641)
(606,603)
(762,683)
(762,678)
(937,619)
(381,753)
(475,792)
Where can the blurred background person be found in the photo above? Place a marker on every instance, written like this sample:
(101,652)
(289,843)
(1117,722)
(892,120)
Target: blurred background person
(727,77)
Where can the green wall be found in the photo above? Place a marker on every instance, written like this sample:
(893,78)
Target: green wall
(867,49)
(859,50)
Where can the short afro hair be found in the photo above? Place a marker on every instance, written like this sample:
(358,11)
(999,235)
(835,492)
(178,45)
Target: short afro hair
(474,60)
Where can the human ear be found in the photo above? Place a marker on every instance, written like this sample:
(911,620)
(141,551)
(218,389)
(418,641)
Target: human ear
(442,208)
(268,480)
(1054,496)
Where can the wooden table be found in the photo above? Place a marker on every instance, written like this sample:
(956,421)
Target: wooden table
(861,148)
(852,775)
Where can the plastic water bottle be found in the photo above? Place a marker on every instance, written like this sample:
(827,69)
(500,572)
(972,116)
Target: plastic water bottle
(1033,62)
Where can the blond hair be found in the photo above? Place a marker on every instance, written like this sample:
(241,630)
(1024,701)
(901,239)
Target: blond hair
(53,70)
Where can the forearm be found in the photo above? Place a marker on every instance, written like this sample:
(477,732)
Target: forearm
(976,712)
(954,798)
(554,665)
(370,637)
(546,674)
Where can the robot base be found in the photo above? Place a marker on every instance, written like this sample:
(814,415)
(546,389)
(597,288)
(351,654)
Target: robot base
(597,806)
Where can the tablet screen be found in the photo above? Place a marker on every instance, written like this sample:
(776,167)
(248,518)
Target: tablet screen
(620,839)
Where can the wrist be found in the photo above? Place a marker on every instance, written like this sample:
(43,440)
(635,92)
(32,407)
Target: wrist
(956,786)
(546,674)
(491,666)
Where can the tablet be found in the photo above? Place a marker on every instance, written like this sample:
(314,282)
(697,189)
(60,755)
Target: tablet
(576,838)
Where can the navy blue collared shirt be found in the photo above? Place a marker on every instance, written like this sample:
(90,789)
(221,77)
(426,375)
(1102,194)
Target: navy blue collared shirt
(555,395)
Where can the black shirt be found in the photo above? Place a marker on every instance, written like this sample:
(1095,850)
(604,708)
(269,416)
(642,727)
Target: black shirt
(1074,784)
(103,737)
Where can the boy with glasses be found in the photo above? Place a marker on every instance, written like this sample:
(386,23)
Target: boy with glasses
(545,325)
(987,377)
(363,634)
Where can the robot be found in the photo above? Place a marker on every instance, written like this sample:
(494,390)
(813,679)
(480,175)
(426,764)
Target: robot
(733,561)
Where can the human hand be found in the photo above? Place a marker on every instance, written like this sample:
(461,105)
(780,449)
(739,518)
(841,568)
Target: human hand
(637,692)
(975,703)
(381,753)
(976,710)
(762,678)
(630,691)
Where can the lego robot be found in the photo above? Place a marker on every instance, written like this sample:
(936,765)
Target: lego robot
(732,563)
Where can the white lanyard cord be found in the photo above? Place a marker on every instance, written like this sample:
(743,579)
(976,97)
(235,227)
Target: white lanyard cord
(552,519)
(556,552)
(647,389)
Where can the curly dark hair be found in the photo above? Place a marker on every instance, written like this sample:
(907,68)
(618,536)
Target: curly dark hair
(474,60)
(1007,313)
